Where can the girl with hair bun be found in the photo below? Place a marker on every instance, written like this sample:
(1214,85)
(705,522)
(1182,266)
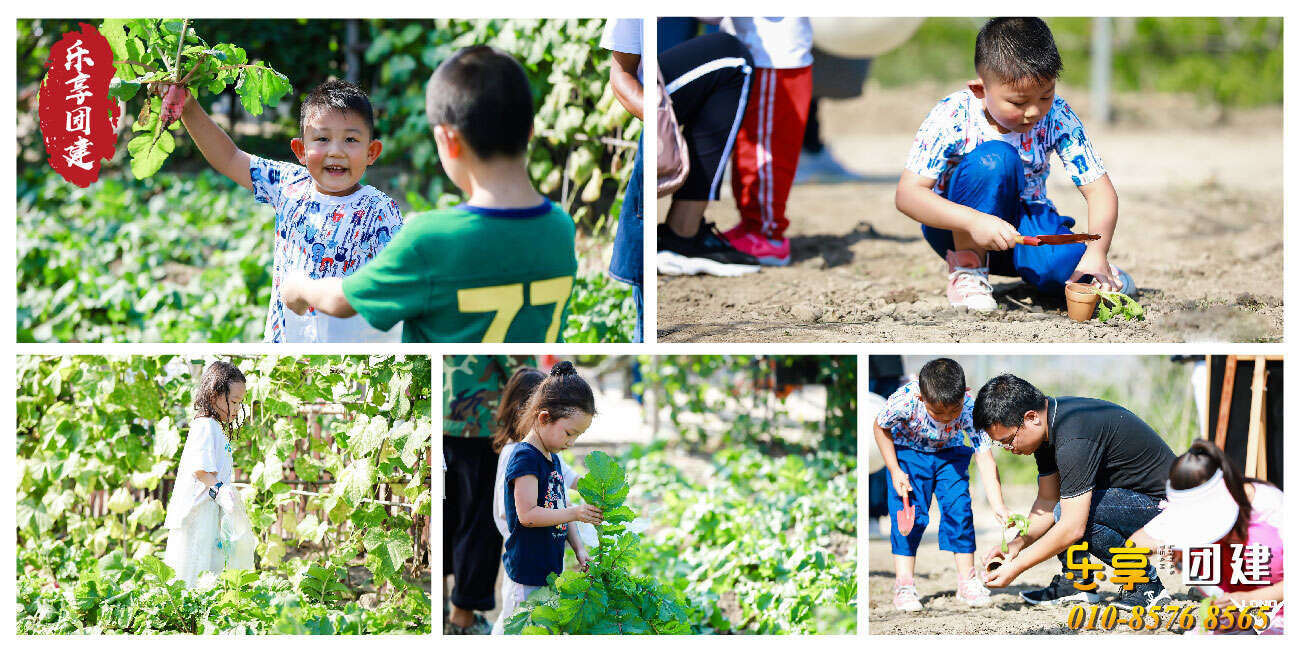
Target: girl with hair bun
(537,510)
(510,430)
(1212,505)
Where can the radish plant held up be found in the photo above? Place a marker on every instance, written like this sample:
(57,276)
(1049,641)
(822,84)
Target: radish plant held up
(165,57)
(607,599)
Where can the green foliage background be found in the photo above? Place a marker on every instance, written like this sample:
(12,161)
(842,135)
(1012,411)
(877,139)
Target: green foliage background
(764,543)
(1231,62)
(115,424)
(704,384)
(186,254)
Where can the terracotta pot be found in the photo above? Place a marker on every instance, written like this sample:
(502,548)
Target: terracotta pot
(992,565)
(1081,301)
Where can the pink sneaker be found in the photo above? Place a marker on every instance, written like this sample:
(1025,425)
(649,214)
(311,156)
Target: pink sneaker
(971,591)
(905,597)
(773,253)
(968,282)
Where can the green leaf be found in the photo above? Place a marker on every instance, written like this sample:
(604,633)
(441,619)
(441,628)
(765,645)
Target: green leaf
(620,514)
(306,467)
(387,551)
(260,86)
(417,443)
(604,484)
(572,583)
(153,565)
(166,438)
(120,502)
(147,156)
(367,434)
(355,482)
(269,471)
(311,528)
(148,515)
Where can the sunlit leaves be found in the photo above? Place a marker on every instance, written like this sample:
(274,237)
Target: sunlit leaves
(83,446)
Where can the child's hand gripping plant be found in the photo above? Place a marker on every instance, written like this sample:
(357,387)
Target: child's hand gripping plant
(1116,304)
(169,60)
(607,599)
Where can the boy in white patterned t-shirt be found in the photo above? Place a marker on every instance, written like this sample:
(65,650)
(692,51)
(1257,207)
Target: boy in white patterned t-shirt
(976,176)
(327,224)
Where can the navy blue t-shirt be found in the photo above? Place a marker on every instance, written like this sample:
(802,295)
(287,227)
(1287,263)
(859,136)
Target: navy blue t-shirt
(532,553)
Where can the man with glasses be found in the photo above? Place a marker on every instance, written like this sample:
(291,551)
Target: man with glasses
(1101,476)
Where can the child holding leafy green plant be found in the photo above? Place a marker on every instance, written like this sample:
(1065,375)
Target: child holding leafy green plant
(537,508)
(510,432)
(207,527)
(922,432)
(327,224)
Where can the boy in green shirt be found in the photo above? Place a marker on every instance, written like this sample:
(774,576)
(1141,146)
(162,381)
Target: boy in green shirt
(499,267)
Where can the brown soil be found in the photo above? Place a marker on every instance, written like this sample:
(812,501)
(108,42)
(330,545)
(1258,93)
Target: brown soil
(1200,231)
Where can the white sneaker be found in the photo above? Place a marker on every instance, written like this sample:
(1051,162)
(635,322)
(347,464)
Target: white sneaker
(968,282)
(971,591)
(906,599)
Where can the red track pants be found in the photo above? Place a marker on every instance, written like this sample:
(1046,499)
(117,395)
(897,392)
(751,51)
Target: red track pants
(767,147)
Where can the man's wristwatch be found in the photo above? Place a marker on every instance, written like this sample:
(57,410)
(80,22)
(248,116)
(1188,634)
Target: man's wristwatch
(212,492)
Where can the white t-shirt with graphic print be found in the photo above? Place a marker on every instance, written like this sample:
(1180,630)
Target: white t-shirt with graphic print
(957,124)
(321,236)
(910,425)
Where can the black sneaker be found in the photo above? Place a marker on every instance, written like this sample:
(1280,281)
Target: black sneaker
(1146,596)
(480,626)
(1061,590)
(708,252)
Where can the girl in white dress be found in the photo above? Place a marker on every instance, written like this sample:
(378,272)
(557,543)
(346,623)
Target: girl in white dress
(208,529)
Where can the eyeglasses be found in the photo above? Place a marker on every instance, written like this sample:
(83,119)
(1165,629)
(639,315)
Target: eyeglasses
(1010,443)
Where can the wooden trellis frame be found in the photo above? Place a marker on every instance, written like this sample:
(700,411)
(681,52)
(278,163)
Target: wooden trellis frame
(1257,434)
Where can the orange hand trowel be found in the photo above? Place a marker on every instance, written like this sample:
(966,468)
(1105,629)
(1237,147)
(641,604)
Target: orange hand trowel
(1040,240)
(906,517)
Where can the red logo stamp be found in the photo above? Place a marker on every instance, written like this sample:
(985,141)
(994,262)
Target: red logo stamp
(78,119)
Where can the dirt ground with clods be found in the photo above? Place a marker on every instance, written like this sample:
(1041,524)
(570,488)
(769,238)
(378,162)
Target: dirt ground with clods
(1200,231)
(936,581)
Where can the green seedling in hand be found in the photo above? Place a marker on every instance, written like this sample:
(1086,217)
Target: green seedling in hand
(1115,304)
(1020,523)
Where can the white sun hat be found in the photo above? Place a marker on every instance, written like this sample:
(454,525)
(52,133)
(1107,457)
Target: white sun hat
(1195,516)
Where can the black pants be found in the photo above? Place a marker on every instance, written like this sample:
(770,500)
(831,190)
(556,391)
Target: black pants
(471,544)
(708,81)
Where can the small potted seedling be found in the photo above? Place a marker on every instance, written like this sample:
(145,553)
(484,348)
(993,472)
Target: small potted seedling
(1083,300)
(1017,523)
